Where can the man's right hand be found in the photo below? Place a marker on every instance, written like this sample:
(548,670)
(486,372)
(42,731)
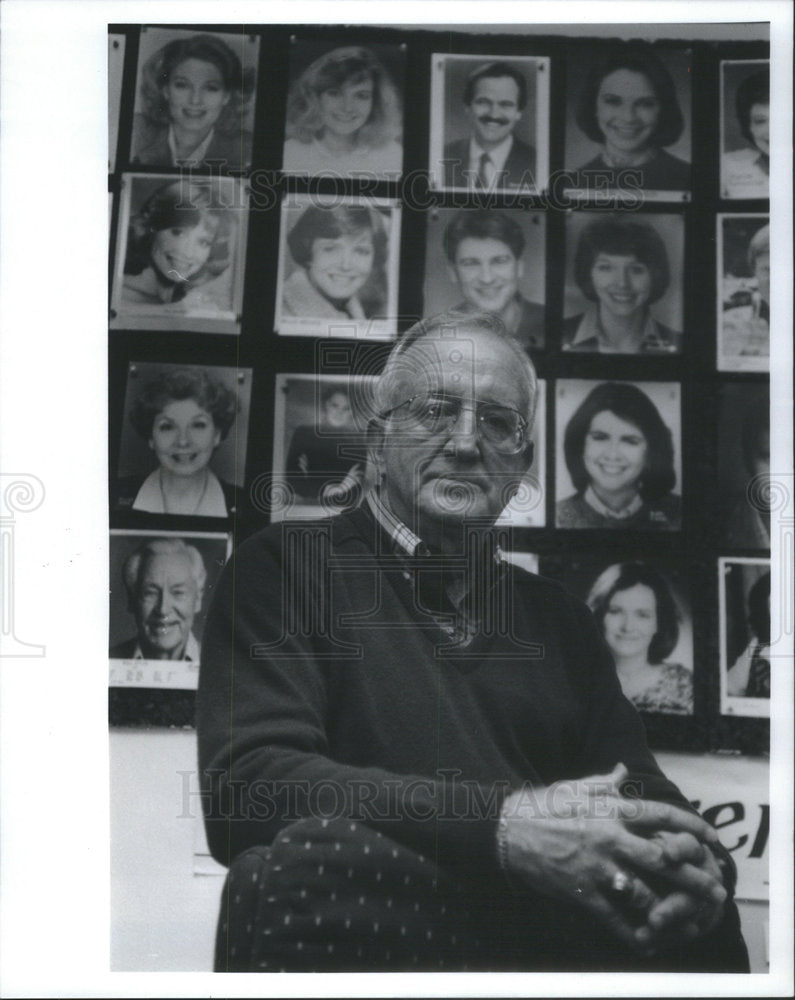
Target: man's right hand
(578,840)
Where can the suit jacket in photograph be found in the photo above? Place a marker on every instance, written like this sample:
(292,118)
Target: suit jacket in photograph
(518,171)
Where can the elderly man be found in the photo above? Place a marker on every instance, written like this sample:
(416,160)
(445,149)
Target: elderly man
(491,157)
(417,756)
(164,579)
(485,259)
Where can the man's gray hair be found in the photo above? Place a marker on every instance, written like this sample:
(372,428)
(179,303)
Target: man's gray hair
(448,326)
(162,547)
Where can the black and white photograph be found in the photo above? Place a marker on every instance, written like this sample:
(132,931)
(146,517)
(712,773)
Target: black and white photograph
(489,123)
(320,464)
(489,260)
(160,588)
(116,47)
(746,658)
(642,607)
(624,283)
(745,129)
(338,267)
(744,483)
(180,254)
(618,447)
(183,439)
(194,99)
(345,110)
(628,121)
(743,305)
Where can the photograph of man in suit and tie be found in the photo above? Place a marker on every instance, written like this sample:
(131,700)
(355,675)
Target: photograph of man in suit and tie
(488,121)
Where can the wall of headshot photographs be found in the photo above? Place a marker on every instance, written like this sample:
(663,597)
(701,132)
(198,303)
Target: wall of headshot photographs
(288,200)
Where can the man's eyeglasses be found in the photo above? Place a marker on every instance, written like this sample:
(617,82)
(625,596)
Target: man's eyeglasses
(435,414)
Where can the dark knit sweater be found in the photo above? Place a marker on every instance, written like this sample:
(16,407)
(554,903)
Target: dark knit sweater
(324,672)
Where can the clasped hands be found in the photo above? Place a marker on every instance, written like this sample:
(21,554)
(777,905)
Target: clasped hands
(645,869)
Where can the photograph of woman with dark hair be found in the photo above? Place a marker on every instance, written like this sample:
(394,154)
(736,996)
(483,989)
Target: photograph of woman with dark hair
(344,116)
(636,611)
(747,522)
(628,105)
(745,172)
(621,266)
(337,270)
(179,242)
(193,96)
(183,414)
(620,456)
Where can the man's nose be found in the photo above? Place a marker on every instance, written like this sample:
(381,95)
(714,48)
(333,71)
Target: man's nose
(463,438)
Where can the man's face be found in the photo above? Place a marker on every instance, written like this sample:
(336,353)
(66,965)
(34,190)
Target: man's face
(434,482)
(487,272)
(494,110)
(165,605)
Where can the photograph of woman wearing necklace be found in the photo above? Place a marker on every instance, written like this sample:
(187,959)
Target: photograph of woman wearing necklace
(622,269)
(183,415)
(618,453)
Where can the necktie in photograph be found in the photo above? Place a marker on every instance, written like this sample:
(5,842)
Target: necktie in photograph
(758,675)
(485,171)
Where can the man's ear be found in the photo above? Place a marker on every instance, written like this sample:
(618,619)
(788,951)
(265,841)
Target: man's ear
(375,441)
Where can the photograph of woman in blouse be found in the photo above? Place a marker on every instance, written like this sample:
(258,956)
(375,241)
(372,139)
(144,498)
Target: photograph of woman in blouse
(629,110)
(183,415)
(177,257)
(336,280)
(636,611)
(344,116)
(193,94)
(621,268)
(745,171)
(619,455)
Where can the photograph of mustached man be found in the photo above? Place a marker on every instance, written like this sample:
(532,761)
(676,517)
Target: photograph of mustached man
(489,123)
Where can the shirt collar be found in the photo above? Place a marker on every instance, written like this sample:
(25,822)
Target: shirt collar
(590,331)
(498,155)
(191,650)
(617,515)
(196,156)
(400,533)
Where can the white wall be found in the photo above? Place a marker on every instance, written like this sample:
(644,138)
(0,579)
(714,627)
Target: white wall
(163,915)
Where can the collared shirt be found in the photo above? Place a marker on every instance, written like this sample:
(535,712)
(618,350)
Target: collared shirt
(191,650)
(631,508)
(195,157)
(590,336)
(498,156)
(459,588)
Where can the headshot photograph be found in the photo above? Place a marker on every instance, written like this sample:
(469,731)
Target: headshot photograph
(116,46)
(345,110)
(744,466)
(489,260)
(180,254)
(194,99)
(489,123)
(746,661)
(160,587)
(183,439)
(624,283)
(745,129)
(618,451)
(744,293)
(643,611)
(338,268)
(628,119)
(320,444)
